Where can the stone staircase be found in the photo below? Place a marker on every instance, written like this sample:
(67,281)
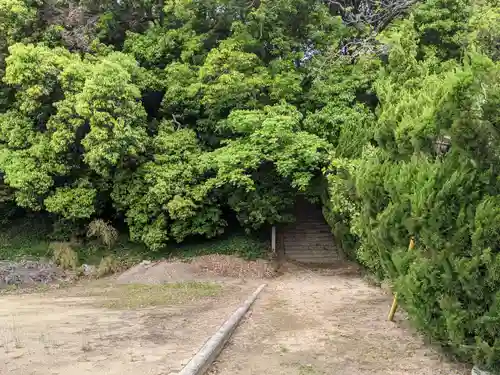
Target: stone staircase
(309,239)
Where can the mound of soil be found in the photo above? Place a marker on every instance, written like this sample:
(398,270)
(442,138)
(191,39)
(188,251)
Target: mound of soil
(231,266)
(26,273)
(156,273)
(208,267)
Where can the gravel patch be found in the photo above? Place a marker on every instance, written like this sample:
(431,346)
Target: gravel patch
(28,273)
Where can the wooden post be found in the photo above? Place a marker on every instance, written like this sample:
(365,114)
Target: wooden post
(273,239)
(394,306)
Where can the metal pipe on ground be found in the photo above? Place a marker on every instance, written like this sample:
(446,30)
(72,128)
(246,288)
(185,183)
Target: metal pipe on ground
(202,360)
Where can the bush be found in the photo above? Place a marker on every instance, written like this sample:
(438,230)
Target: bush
(64,255)
(104,231)
(450,283)
(448,201)
(66,230)
(108,266)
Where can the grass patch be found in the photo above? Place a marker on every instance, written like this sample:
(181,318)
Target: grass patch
(135,296)
(33,238)
(125,252)
(239,244)
(25,238)
(35,288)
(308,370)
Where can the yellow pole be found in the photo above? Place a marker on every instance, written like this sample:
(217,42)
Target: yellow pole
(394,306)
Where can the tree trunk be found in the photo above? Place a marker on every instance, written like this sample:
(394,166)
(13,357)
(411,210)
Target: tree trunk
(162,13)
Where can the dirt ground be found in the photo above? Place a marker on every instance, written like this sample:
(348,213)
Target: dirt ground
(151,320)
(109,329)
(327,322)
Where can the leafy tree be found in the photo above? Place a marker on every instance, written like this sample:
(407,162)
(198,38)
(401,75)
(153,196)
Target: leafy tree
(271,152)
(164,197)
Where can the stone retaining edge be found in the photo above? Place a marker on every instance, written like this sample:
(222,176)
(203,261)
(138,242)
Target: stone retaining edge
(202,360)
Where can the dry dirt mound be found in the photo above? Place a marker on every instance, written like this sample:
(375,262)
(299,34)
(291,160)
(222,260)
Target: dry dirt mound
(208,267)
(231,266)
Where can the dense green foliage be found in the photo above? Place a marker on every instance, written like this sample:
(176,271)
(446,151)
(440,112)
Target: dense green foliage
(175,119)
(430,93)
(174,126)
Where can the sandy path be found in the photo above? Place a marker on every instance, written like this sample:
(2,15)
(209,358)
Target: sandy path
(312,324)
(60,334)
